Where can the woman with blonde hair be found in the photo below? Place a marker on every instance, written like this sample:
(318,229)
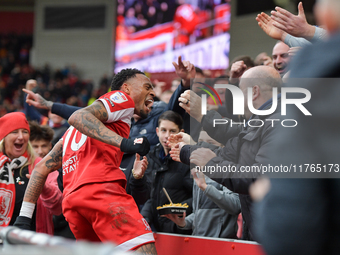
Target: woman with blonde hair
(17,161)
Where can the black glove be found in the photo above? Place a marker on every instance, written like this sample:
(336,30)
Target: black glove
(23,222)
(137,145)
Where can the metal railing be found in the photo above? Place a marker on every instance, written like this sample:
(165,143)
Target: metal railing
(25,242)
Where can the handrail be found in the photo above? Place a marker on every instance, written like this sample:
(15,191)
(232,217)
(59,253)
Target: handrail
(18,241)
(14,235)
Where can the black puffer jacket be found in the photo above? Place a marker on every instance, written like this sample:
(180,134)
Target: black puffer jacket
(175,178)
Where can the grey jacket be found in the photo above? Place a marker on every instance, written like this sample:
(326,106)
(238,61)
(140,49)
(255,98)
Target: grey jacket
(215,211)
(292,41)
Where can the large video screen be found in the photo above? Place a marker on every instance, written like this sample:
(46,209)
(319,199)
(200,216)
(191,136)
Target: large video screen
(151,34)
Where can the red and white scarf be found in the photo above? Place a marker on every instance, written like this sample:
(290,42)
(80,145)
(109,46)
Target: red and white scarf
(7,186)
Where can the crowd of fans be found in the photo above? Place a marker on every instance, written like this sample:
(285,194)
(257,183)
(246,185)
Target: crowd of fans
(61,85)
(218,206)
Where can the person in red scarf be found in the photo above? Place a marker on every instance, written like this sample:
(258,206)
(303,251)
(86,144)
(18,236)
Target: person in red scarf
(17,161)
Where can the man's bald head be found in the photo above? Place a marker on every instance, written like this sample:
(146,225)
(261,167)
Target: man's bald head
(334,3)
(263,76)
(262,80)
(261,72)
(327,13)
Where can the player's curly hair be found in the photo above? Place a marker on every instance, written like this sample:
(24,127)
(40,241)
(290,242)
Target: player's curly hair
(121,77)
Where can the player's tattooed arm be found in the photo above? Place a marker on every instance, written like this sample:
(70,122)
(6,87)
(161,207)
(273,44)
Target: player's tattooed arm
(149,248)
(89,121)
(49,163)
(54,157)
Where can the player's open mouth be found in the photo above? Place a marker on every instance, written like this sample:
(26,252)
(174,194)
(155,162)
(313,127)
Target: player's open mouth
(149,104)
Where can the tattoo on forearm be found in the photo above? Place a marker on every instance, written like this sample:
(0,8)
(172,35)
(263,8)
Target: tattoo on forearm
(44,102)
(90,123)
(37,180)
(55,157)
(35,186)
(98,110)
(149,248)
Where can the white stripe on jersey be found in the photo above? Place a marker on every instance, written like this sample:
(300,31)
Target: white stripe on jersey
(137,241)
(124,115)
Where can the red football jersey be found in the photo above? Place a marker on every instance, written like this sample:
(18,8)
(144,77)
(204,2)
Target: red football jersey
(87,160)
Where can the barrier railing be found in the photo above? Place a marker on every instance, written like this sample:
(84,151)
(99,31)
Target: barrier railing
(23,242)
(170,244)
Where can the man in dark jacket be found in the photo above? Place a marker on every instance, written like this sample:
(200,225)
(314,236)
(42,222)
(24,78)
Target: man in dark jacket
(250,148)
(164,172)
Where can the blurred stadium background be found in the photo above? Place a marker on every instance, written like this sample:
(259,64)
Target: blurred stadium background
(80,44)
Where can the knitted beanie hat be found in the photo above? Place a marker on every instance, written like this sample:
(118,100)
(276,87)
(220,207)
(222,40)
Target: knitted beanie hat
(12,121)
